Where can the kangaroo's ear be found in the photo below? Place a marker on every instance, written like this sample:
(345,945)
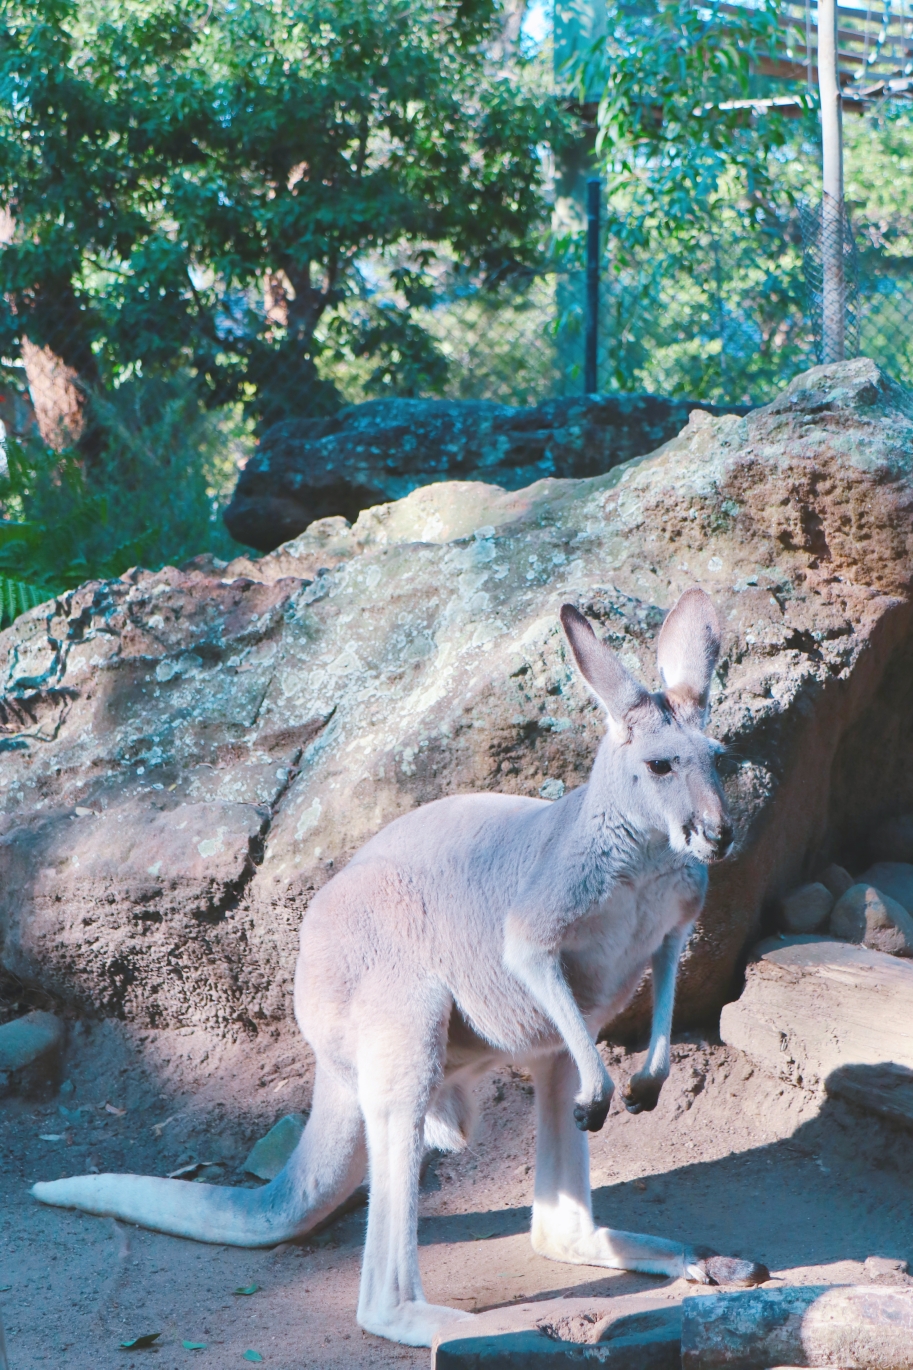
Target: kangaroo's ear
(612,684)
(687,651)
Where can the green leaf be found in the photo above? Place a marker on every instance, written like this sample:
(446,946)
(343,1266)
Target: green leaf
(252,1355)
(140,1343)
(18,596)
(247,1289)
(194,1345)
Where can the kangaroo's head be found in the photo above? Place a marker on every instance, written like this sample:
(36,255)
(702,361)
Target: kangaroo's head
(663,768)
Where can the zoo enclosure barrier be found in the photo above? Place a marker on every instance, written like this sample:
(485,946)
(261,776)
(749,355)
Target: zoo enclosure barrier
(728,320)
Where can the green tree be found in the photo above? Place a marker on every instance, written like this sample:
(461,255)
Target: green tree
(194,186)
(706,293)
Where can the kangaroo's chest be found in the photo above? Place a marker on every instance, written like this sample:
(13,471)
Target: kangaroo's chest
(605,953)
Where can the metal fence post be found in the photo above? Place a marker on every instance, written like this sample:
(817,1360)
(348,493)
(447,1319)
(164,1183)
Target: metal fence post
(833,304)
(591,354)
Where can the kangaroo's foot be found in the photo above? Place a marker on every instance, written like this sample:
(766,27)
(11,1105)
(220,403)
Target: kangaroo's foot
(604,1246)
(580,1243)
(412,1324)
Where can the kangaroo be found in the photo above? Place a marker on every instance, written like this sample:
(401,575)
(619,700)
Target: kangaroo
(476,930)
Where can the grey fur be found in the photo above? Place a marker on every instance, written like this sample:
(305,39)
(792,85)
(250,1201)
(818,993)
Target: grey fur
(475,930)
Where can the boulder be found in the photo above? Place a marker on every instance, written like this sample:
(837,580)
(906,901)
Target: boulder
(187,755)
(368,454)
(876,920)
(807,908)
(835,879)
(893,878)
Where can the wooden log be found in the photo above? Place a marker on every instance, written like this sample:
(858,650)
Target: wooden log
(855,1327)
(812,1006)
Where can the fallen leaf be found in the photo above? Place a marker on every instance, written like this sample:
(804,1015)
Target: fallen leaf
(187,1172)
(172,787)
(252,1355)
(247,1289)
(158,1128)
(194,1345)
(139,1343)
(5,1288)
(481,1236)
(84,813)
(280,1085)
(51,1136)
(118,1112)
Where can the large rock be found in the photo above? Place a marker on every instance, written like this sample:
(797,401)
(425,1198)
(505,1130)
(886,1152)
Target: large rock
(814,1008)
(806,909)
(188,755)
(367,454)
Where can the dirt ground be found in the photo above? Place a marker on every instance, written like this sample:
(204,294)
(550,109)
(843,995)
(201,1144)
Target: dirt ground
(730,1158)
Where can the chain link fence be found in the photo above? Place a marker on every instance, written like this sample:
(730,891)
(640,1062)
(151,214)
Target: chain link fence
(729,319)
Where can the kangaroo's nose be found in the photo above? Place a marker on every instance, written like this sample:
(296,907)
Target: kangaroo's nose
(724,840)
(720,835)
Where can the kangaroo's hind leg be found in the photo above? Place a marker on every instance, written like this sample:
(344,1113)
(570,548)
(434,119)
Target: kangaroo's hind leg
(563,1226)
(399,1063)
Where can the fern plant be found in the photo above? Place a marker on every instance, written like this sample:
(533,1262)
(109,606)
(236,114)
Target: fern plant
(17,596)
(147,490)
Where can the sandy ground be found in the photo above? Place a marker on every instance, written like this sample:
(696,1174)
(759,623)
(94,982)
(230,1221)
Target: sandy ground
(730,1158)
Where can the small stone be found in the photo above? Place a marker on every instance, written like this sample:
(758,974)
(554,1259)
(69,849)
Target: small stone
(836,879)
(893,840)
(894,878)
(26,1040)
(270,1153)
(866,915)
(806,909)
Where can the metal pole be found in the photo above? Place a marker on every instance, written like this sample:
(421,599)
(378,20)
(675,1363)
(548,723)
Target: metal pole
(591,355)
(833,329)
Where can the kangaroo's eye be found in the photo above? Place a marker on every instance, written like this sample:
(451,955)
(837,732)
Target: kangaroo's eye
(660,767)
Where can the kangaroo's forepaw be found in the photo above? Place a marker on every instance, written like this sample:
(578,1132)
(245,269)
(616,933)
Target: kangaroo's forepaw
(642,1093)
(706,1267)
(590,1117)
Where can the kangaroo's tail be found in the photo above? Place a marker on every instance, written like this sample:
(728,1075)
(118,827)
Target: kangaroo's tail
(326,1166)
